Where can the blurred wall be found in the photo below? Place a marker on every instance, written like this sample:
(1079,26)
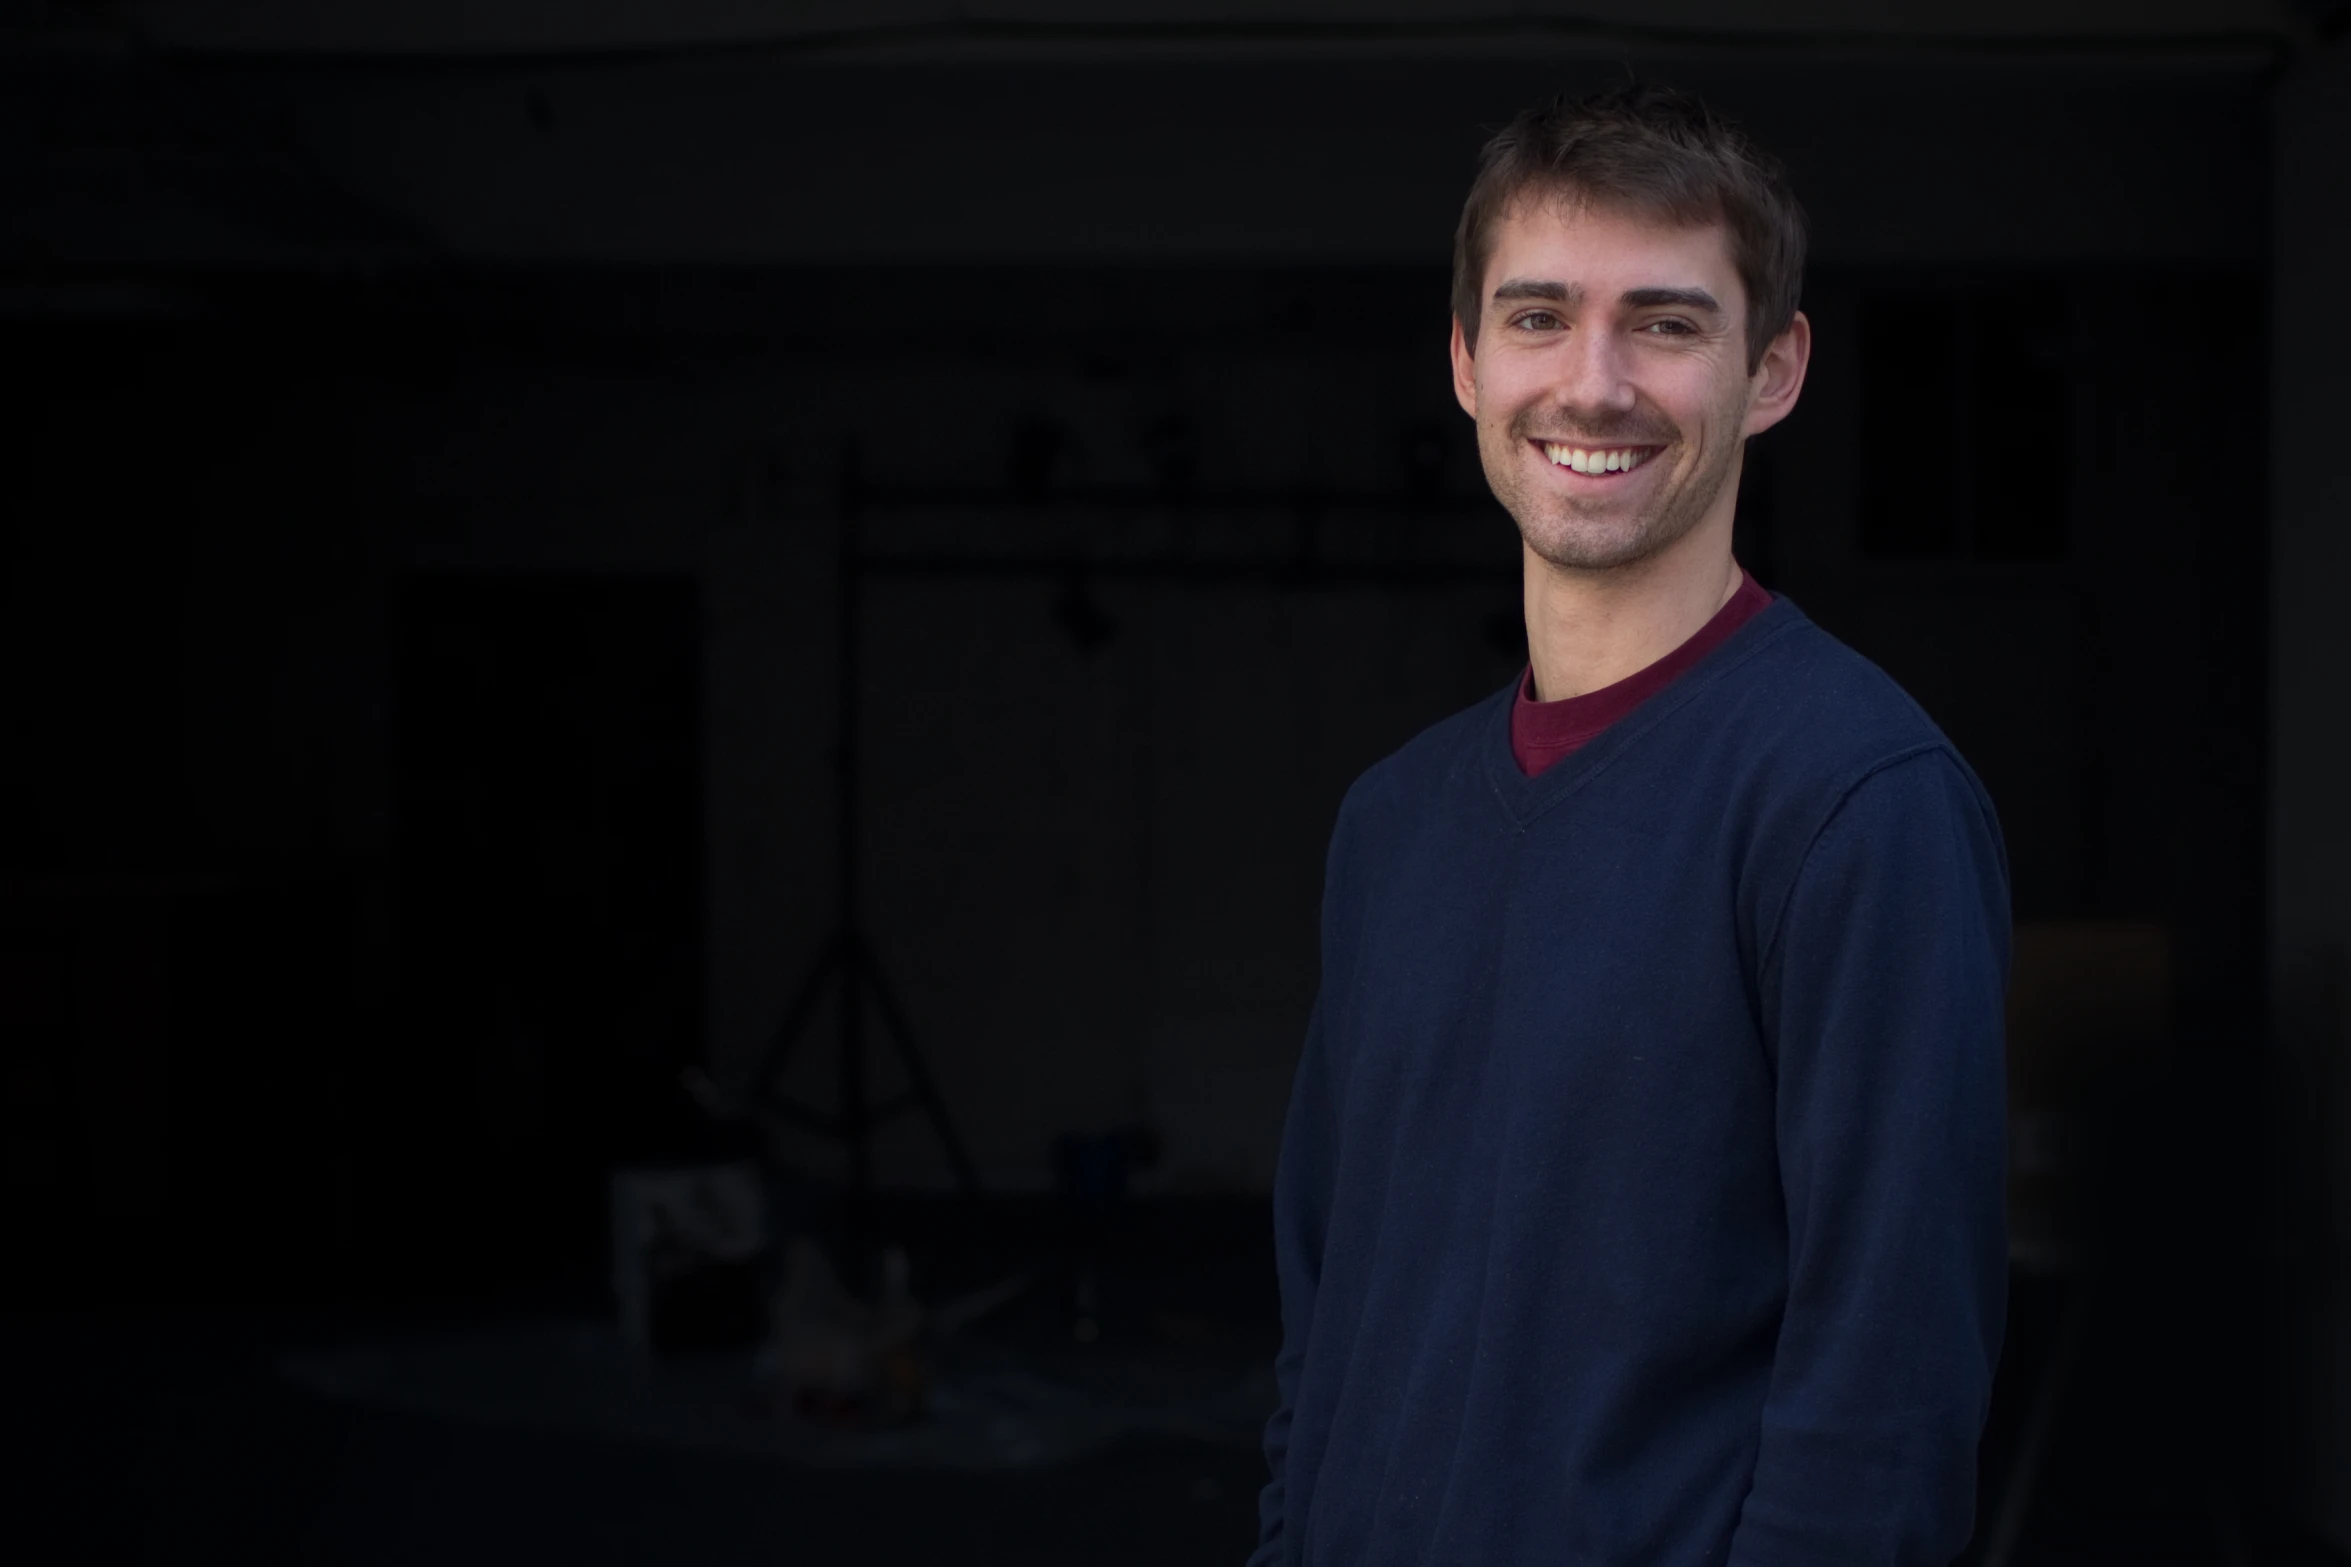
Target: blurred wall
(1137,153)
(617,317)
(1089,926)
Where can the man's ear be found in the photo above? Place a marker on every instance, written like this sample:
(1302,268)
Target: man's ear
(1780,377)
(1465,372)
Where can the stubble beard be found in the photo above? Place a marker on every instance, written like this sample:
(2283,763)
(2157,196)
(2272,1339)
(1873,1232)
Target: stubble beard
(1601,534)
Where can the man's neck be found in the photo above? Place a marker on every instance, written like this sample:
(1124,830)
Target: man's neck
(1589,629)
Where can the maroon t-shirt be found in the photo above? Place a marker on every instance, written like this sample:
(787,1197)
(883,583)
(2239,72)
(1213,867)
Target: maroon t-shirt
(1542,733)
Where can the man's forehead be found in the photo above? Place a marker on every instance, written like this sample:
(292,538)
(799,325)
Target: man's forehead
(1578,240)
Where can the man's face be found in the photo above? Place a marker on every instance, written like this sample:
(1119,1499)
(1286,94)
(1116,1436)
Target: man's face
(1610,382)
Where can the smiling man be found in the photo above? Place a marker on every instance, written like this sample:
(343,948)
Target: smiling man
(1640,1199)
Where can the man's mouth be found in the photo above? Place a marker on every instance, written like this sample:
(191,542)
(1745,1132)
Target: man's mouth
(1598,459)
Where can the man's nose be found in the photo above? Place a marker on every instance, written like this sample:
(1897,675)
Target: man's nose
(1594,373)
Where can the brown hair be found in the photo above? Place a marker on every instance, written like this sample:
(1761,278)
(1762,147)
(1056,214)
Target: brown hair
(1655,151)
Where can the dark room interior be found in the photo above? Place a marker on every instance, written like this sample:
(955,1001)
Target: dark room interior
(676,678)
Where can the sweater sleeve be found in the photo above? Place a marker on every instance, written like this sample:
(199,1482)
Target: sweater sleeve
(1300,1205)
(1882,991)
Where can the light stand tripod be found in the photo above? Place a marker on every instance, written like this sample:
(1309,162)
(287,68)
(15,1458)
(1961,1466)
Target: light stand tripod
(845,964)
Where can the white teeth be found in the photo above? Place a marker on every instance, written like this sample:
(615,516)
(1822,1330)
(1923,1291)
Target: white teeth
(1623,460)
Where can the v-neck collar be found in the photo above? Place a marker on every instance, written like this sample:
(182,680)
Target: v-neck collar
(1523,799)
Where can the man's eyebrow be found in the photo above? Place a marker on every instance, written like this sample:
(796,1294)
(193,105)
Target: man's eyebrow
(1540,288)
(1688,298)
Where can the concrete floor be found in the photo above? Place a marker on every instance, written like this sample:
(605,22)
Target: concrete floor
(167,1436)
(157,1441)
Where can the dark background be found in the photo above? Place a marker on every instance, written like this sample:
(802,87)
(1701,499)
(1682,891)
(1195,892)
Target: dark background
(419,683)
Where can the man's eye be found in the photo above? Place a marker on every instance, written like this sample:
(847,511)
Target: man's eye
(1669,327)
(1538,320)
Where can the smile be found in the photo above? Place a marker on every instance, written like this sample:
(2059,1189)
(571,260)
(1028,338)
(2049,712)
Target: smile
(1598,459)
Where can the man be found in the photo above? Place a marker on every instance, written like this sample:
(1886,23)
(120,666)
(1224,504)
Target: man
(1640,1199)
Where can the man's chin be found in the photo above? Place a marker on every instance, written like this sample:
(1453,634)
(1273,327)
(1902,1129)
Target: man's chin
(1585,546)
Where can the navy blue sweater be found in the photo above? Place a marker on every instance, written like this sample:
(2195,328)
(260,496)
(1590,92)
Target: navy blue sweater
(1641,1196)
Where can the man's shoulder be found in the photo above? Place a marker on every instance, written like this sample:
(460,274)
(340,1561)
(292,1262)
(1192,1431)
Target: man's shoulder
(1442,756)
(1818,706)
(1805,716)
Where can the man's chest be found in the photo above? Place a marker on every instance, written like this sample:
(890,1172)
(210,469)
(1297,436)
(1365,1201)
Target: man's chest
(1593,970)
